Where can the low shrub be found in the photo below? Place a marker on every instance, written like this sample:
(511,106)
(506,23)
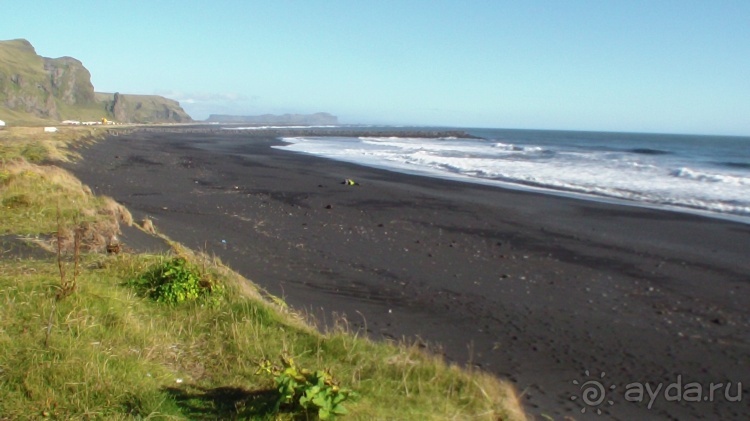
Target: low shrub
(175,281)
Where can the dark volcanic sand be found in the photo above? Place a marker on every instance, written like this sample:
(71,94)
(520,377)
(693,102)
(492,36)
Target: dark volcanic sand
(535,288)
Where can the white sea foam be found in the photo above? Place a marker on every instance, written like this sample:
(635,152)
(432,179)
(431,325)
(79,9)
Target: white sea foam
(710,177)
(515,148)
(653,179)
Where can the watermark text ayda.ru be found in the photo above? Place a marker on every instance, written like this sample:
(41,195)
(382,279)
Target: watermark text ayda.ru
(680,391)
(597,393)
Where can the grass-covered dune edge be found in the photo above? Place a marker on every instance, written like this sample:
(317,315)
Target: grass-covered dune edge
(86,334)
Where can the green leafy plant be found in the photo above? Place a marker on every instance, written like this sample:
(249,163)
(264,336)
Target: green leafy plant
(176,281)
(313,393)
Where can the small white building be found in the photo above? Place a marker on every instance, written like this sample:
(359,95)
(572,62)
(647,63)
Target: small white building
(50,129)
(2,124)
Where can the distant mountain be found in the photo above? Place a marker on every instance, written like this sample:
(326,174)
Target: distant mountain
(317,119)
(36,89)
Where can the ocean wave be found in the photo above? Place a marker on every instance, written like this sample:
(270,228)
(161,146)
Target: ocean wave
(515,148)
(276,127)
(649,151)
(611,174)
(733,164)
(381,139)
(594,180)
(695,175)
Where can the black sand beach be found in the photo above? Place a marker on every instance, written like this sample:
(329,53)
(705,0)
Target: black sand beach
(534,288)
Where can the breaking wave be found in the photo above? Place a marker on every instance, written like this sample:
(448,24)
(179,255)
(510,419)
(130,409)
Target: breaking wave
(664,175)
(691,174)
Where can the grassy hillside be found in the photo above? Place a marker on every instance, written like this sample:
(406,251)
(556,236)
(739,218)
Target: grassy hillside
(21,73)
(42,91)
(142,108)
(19,57)
(35,90)
(19,118)
(82,336)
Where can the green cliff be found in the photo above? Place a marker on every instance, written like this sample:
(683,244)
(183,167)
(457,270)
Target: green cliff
(128,108)
(40,90)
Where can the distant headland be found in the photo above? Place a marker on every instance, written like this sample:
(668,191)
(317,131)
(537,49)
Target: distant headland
(317,119)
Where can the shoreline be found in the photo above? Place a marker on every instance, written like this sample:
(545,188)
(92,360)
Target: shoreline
(532,287)
(547,191)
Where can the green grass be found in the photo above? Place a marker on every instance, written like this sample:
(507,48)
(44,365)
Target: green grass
(15,142)
(19,55)
(94,111)
(18,59)
(112,352)
(20,118)
(31,194)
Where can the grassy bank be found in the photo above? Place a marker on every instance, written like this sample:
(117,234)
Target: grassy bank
(82,337)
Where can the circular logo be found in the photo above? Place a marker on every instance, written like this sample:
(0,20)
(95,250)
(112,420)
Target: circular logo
(592,393)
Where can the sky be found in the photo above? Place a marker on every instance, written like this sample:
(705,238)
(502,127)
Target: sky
(605,65)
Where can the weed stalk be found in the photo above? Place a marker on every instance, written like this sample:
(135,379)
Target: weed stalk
(67,286)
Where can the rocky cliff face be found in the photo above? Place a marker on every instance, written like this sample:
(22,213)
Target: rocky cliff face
(317,119)
(118,108)
(70,81)
(143,108)
(35,88)
(24,84)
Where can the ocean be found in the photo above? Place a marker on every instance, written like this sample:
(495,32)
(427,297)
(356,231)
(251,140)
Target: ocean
(700,174)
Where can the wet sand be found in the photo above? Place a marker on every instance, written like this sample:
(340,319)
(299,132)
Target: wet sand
(532,287)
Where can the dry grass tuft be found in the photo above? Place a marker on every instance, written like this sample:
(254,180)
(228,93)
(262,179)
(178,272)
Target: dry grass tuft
(148,225)
(30,195)
(35,145)
(116,211)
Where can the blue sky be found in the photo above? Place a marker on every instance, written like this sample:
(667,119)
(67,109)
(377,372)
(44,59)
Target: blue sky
(646,66)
